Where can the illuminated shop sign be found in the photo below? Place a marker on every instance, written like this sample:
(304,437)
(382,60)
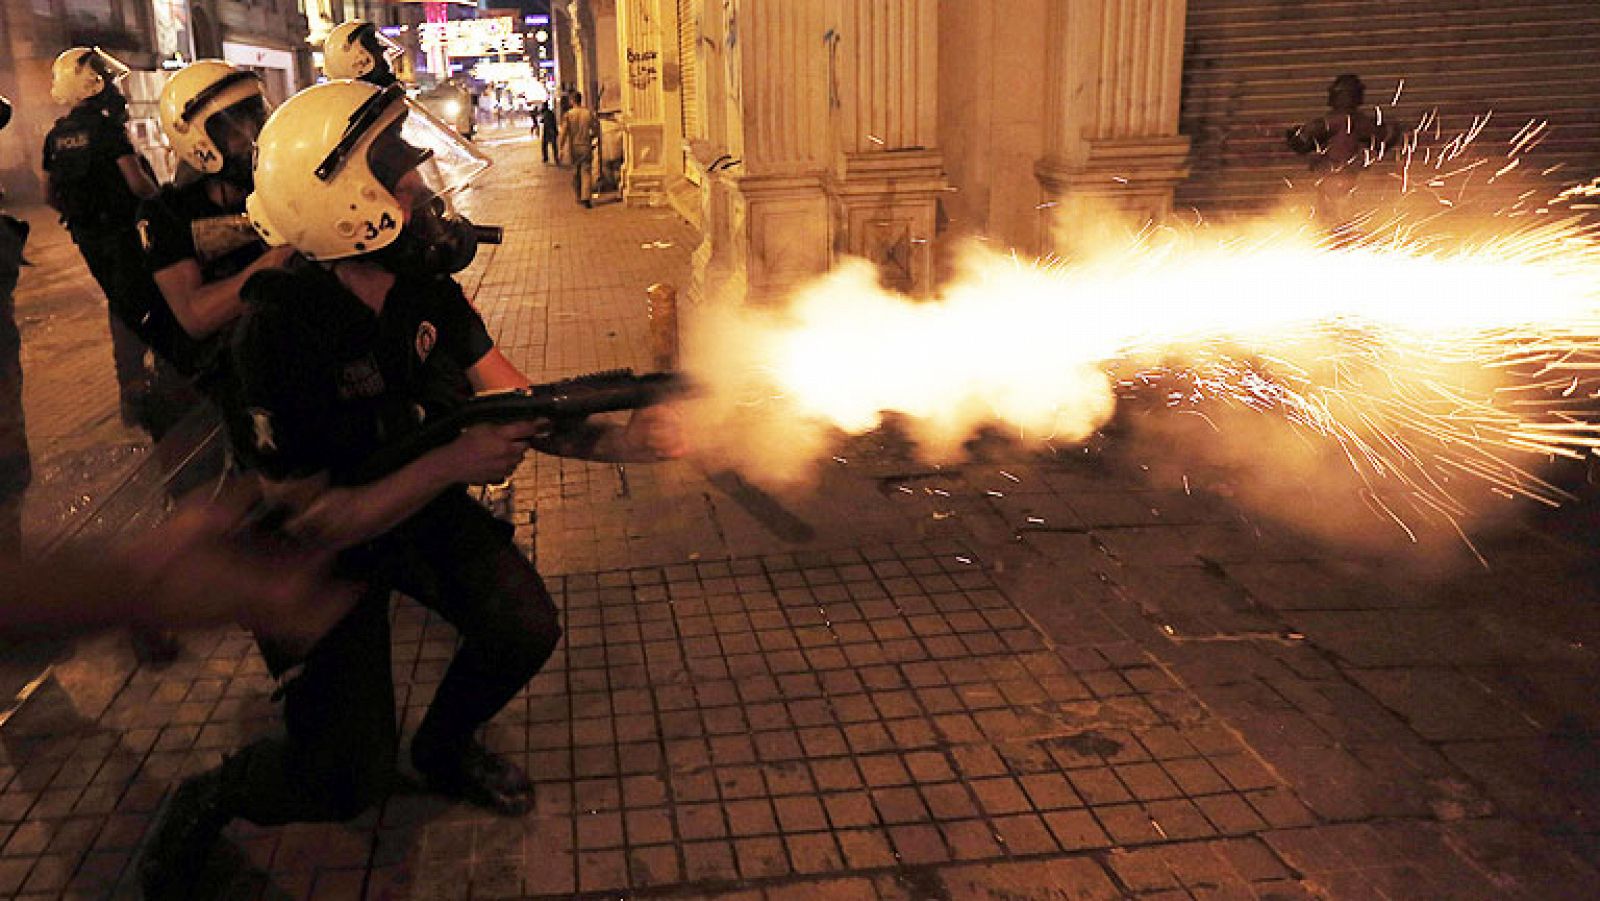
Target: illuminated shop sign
(472,37)
(503,73)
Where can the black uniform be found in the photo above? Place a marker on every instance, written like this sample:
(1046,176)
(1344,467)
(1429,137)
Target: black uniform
(166,233)
(326,383)
(94,200)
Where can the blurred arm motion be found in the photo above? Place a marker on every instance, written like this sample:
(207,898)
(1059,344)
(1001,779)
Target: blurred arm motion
(194,570)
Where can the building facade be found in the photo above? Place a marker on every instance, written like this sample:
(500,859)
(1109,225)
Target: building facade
(799,131)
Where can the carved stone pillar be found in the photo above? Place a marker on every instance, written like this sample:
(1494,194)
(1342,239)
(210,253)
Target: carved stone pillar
(640,39)
(1115,70)
(594,33)
(887,174)
(767,222)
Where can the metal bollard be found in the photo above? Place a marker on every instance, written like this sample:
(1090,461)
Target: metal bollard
(663,313)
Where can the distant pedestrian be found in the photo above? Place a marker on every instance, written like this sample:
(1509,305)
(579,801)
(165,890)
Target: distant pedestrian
(579,131)
(16,467)
(95,180)
(549,132)
(1343,141)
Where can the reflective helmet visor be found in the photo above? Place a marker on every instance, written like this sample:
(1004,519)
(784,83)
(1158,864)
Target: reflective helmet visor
(107,66)
(446,161)
(239,124)
(413,139)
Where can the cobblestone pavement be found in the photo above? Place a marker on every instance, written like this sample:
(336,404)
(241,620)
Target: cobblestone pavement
(80,446)
(1028,676)
(81,450)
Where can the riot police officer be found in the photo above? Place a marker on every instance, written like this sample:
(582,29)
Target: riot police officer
(357,49)
(95,180)
(340,353)
(211,113)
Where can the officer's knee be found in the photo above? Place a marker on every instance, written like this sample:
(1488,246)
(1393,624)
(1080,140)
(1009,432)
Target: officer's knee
(529,638)
(522,639)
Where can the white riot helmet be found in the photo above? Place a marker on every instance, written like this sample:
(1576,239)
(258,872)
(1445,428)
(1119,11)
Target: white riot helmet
(199,106)
(357,49)
(329,159)
(83,72)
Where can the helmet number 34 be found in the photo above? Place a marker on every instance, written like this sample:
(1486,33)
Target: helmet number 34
(385,223)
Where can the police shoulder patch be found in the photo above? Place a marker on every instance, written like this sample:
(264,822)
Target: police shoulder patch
(427,337)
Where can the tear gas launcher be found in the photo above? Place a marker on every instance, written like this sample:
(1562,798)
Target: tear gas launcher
(565,402)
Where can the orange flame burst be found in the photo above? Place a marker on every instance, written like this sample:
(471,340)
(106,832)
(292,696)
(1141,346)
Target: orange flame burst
(1425,361)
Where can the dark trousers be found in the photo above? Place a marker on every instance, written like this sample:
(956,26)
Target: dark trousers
(16,467)
(339,754)
(157,389)
(117,263)
(548,146)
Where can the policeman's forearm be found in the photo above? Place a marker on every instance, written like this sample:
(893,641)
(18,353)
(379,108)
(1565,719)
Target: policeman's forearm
(345,517)
(209,308)
(138,180)
(205,308)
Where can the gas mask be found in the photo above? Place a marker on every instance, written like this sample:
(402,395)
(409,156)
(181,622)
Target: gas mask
(234,131)
(435,242)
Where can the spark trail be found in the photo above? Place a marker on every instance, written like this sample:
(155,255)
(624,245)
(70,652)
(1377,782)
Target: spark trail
(1443,359)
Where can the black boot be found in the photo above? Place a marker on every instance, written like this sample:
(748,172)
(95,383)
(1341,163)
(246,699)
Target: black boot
(175,857)
(474,774)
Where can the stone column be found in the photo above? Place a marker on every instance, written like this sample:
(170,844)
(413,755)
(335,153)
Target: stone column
(767,222)
(581,17)
(887,173)
(607,66)
(1114,72)
(641,37)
